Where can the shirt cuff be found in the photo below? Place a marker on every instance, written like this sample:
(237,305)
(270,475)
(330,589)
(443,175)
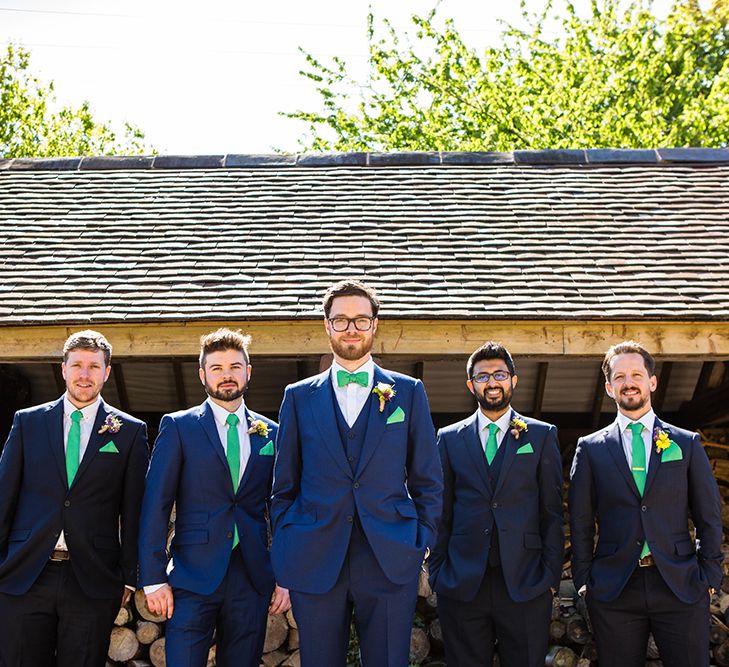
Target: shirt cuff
(153,588)
(131,588)
(583,590)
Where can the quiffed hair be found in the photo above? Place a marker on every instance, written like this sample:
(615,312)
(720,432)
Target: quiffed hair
(87,340)
(221,340)
(351,287)
(628,347)
(490,350)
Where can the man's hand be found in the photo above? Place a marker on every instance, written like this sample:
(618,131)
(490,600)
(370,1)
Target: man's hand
(162,601)
(280,601)
(125,596)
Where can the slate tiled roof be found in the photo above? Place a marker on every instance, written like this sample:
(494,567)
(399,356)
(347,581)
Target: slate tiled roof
(553,234)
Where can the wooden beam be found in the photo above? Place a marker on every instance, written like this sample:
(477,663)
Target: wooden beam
(420,338)
(709,407)
(419,370)
(659,395)
(702,384)
(542,369)
(597,398)
(121,387)
(179,384)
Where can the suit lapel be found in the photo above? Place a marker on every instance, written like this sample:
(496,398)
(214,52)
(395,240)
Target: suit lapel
(256,443)
(94,444)
(655,460)
(376,420)
(614,444)
(472,440)
(54,426)
(509,445)
(321,412)
(207,421)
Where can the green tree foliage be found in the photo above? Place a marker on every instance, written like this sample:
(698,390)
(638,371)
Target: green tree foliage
(618,77)
(33,125)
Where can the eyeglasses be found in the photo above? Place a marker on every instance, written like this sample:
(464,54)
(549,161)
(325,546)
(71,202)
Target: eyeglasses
(340,324)
(499,376)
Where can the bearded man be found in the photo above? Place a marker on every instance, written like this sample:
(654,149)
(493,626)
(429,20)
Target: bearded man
(215,461)
(641,478)
(356,494)
(499,551)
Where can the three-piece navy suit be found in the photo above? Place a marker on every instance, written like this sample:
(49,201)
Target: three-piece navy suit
(99,515)
(500,543)
(353,511)
(670,598)
(213,584)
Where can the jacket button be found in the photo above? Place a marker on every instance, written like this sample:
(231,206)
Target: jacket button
(644,508)
(67,503)
(494,505)
(350,518)
(486,532)
(352,436)
(230,535)
(356,485)
(639,543)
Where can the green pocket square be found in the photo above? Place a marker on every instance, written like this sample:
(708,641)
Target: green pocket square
(672,453)
(267,449)
(397,416)
(525,449)
(109,447)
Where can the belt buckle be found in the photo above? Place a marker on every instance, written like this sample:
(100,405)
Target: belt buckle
(646,561)
(59,555)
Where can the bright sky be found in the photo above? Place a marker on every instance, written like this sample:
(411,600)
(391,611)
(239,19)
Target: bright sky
(209,78)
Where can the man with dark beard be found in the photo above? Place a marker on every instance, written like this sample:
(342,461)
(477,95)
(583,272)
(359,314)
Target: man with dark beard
(642,478)
(500,540)
(356,494)
(215,462)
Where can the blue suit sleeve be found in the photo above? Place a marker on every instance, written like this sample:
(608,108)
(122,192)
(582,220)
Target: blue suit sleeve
(160,491)
(287,466)
(551,515)
(132,502)
(11,474)
(424,473)
(440,551)
(705,508)
(582,515)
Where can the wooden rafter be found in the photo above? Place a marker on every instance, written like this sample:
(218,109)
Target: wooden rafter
(659,395)
(598,397)
(121,387)
(542,370)
(179,384)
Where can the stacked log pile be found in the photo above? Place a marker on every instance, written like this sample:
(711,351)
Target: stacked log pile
(137,639)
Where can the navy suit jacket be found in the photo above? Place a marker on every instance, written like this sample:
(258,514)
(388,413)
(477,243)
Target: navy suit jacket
(602,488)
(189,468)
(525,506)
(99,514)
(395,490)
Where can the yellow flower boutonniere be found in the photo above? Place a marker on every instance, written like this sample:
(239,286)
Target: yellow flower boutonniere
(517,426)
(661,440)
(384,392)
(258,427)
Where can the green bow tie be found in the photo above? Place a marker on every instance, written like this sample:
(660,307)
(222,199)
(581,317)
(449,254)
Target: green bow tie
(344,378)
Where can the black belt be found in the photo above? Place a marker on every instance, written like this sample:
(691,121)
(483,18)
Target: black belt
(58,555)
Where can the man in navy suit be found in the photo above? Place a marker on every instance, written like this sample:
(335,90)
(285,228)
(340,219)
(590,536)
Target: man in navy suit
(500,540)
(71,482)
(356,494)
(215,461)
(642,478)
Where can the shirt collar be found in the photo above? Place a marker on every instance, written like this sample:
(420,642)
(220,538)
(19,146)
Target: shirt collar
(502,422)
(89,412)
(221,414)
(368,367)
(648,419)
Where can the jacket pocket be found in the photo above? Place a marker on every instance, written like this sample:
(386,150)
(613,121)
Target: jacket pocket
(685,548)
(187,518)
(18,535)
(296,518)
(190,537)
(407,510)
(605,548)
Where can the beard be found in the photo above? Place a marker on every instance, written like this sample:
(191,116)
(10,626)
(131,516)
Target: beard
(497,403)
(230,394)
(631,403)
(352,351)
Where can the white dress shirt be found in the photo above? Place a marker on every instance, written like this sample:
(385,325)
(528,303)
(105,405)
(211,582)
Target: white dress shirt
(483,427)
(648,420)
(86,424)
(221,414)
(352,398)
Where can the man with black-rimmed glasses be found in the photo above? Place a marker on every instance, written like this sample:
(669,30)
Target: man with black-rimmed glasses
(498,555)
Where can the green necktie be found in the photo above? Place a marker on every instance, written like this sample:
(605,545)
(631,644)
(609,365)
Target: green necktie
(638,467)
(344,378)
(73,446)
(233,456)
(491,445)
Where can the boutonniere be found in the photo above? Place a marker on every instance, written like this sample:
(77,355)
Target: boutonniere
(517,426)
(112,424)
(384,392)
(661,440)
(259,427)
